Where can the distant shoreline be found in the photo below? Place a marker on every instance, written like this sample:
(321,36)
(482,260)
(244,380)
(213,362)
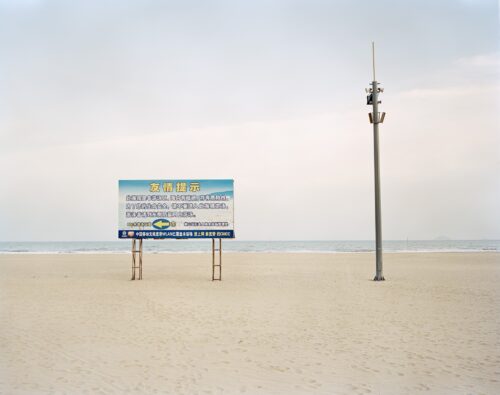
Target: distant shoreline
(169,246)
(247,252)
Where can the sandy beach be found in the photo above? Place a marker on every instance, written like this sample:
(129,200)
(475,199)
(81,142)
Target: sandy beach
(276,324)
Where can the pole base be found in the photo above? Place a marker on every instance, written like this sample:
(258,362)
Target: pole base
(379,278)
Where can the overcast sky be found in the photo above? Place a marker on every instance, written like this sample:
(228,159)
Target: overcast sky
(270,93)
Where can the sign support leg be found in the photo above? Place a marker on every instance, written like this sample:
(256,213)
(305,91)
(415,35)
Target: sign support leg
(136,259)
(216,276)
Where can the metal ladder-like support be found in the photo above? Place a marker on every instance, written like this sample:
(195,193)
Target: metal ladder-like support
(136,259)
(214,264)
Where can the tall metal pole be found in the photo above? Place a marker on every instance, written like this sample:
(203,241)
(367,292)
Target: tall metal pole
(375,118)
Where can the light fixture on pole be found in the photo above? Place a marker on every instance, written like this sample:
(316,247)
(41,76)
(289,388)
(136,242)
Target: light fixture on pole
(376,118)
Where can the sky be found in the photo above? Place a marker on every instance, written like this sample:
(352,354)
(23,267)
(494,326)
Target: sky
(268,93)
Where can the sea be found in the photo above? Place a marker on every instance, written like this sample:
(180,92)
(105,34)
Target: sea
(201,246)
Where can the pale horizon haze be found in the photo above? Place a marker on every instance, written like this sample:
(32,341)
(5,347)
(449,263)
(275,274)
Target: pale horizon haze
(268,93)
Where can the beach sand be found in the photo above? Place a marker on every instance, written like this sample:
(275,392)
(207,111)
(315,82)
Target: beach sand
(276,324)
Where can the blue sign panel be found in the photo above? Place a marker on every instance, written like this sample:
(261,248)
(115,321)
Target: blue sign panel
(158,209)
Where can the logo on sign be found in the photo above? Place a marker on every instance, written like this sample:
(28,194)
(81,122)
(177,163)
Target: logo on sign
(161,224)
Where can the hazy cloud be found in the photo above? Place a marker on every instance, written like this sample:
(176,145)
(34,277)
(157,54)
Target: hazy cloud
(268,93)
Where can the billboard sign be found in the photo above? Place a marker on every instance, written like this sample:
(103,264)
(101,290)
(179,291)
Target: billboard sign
(158,209)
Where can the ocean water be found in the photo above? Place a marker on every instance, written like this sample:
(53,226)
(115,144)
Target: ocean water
(193,246)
